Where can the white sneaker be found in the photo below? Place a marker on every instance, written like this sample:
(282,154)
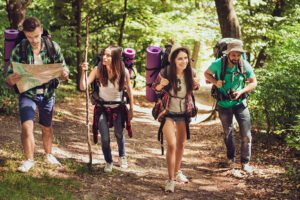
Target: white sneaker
(181,178)
(26,166)
(247,168)
(108,167)
(52,160)
(170,186)
(123,162)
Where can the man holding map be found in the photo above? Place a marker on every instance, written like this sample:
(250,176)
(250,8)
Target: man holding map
(36,63)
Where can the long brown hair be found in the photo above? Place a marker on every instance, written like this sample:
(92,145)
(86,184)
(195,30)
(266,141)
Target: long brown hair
(188,76)
(117,66)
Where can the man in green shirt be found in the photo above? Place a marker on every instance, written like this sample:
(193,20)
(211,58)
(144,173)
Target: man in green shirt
(36,49)
(232,99)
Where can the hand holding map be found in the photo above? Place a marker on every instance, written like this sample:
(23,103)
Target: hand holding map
(35,75)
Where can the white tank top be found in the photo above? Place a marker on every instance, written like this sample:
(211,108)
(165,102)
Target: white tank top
(111,92)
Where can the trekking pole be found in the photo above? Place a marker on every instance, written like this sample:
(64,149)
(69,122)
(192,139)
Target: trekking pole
(87,92)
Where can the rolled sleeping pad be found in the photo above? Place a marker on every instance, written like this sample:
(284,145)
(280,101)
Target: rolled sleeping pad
(10,37)
(129,55)
(152,69)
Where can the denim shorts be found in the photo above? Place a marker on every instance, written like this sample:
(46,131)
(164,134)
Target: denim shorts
(175,118)
(27,107)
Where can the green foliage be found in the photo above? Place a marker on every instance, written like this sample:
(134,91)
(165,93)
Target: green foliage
(276,102)
(293,139)
(20,186)
(8,97)
(65,90)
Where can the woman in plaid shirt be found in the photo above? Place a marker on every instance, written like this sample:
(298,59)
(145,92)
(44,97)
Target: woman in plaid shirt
(175,85)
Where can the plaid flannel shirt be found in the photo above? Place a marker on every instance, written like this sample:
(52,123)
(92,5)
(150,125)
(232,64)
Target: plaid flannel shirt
(16,57)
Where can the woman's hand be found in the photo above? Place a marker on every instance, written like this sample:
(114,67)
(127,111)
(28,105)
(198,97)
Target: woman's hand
(196,84)
(84,66)
(163,82)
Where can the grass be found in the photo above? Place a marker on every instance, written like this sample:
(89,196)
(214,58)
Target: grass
(36,184)
(65,90)
(22,186)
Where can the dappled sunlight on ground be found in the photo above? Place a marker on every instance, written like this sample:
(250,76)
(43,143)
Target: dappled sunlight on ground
(145,178)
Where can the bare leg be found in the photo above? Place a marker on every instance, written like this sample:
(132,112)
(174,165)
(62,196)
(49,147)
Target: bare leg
(47,139)
(180,143)
(27,139)
(169,134)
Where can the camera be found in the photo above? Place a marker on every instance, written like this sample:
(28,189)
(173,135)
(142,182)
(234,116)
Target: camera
(230,94)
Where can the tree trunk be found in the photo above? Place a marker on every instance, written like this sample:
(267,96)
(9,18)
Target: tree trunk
(78,5)
(228,20)
(123,24)
(16,12)
(277,12)
(195,54)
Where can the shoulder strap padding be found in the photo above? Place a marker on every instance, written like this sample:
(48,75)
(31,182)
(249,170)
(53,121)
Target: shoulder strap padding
(50,48)
(224,63)
(23,51)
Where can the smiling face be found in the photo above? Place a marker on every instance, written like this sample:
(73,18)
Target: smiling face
(234,57)
(34,37)
(181,61)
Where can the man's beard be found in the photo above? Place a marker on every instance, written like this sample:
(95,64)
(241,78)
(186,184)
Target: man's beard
(235,62)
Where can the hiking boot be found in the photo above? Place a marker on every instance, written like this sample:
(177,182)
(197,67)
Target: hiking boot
(52,160)
(108,167)
(170,186)
(123,162)
(247,168)
(181,178)
(26,166)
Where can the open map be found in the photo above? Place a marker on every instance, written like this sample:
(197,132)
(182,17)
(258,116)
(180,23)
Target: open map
(35,75)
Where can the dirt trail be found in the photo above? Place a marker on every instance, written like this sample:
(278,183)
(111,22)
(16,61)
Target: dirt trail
(147,171)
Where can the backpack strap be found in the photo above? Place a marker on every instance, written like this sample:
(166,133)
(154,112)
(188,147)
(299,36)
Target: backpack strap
(23,51)
(165,74)
(224,63)
(50,48)
(242,69)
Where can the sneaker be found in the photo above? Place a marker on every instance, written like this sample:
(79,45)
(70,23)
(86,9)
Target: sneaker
(52,160)
(26,166)
(170,186)
(108,167)
(247,168)
(181,178)
(123,162)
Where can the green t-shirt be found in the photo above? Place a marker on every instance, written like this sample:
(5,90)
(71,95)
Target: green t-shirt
(233,80)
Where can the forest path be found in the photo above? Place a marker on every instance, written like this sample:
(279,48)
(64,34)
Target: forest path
(147,173)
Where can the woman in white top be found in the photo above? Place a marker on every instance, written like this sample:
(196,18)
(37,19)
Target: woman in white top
(112,78)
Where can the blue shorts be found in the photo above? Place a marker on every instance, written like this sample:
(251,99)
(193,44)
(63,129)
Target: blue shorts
(27,108)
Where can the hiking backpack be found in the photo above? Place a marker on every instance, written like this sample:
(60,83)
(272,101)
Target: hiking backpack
(218,50)
(14,37)
(157,59)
